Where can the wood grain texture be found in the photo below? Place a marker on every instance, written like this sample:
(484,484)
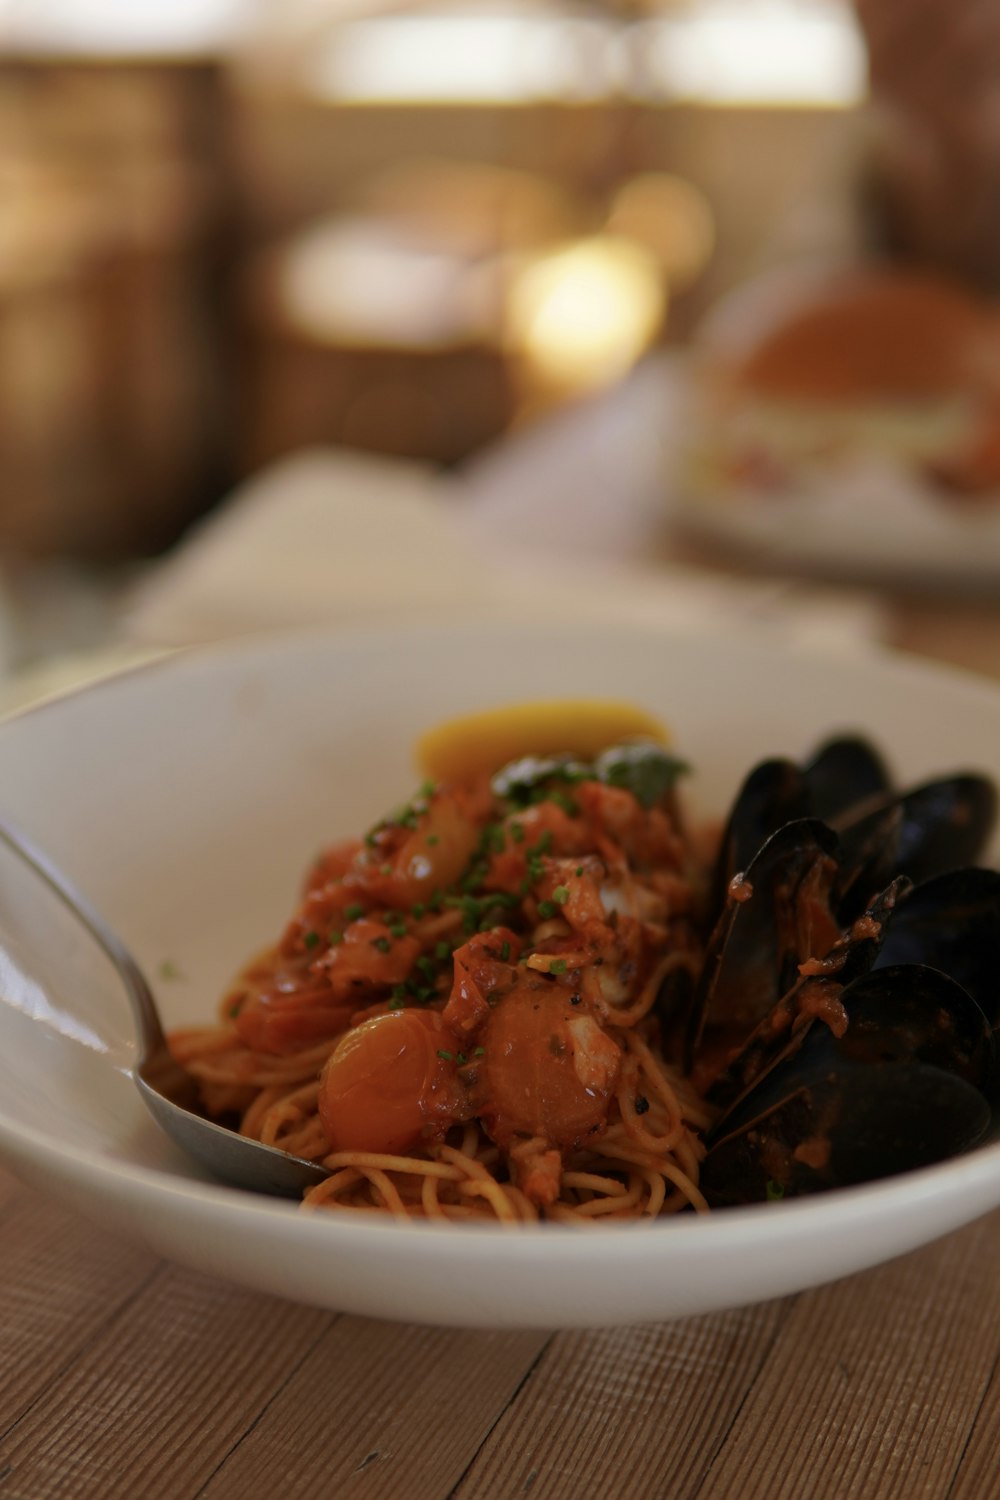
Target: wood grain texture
(874,1383)
(381,1410)
(62,1282)
(122,1378)
(630,1411)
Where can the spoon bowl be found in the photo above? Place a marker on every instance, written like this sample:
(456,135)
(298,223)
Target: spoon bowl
(168,1091)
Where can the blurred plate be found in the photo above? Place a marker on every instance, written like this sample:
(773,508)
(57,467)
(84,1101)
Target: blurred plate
(869,526)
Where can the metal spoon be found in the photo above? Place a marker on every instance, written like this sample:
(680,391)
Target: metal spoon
(170,1093)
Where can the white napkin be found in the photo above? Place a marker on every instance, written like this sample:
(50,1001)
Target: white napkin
(560,521)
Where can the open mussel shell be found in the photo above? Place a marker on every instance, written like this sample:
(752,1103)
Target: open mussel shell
(753,953)
(844,773)
(941,825)
(904,1086)
(854,953)
(952,923)
(773,794)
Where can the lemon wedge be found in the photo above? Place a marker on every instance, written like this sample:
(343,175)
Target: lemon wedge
(480,743)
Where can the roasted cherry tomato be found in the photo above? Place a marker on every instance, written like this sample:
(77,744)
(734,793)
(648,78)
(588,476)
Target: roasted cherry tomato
(549,1068)
(390,1084)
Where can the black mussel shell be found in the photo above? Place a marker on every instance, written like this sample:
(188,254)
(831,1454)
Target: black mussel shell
(952,923)
(854,953)
(942,825)
(772,795)
(765,930)
(843,774)
(904,1086)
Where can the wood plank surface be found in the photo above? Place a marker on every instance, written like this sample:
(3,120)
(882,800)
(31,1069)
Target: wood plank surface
(123,1378)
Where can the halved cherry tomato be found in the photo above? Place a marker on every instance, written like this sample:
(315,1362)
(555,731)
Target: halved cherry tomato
(387,1086)
(549,1068)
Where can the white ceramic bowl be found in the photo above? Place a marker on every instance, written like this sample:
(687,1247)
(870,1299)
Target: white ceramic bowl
(186,799)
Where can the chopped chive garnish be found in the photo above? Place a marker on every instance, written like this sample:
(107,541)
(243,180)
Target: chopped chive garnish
(310,939)
(382,944)
(560,895)
(547,909)
(418,908)
(354,911)
(557,966)
(479,1052)
(579,869)
(334,937)
(445,1056)
(461,1059)
(398,929)
(432,839)
(442,950)
(504,951)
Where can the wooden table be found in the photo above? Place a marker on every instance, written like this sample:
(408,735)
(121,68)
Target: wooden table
(123,1378)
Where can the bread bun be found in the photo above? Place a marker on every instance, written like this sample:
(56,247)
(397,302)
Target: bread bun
(846,343)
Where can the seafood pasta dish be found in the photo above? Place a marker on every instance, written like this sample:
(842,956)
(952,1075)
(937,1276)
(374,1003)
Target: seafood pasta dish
(541,990)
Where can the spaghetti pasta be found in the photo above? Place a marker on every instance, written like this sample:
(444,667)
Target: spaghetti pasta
(460,1020)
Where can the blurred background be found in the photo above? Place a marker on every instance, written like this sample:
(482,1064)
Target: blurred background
(235,230)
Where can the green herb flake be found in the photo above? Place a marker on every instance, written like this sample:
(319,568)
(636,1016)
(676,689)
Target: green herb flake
(432,839)
(398,929)
(774,1192)
(418,908)
(579,870)
(517,833)
(334,937)
(558,966)
(382,944)
(445,1056)
(504,951)
(547,909)
(479,1052)
(169,970)
(442,951)
(560,895)
(461,1059)
(353,912)
(642,768)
